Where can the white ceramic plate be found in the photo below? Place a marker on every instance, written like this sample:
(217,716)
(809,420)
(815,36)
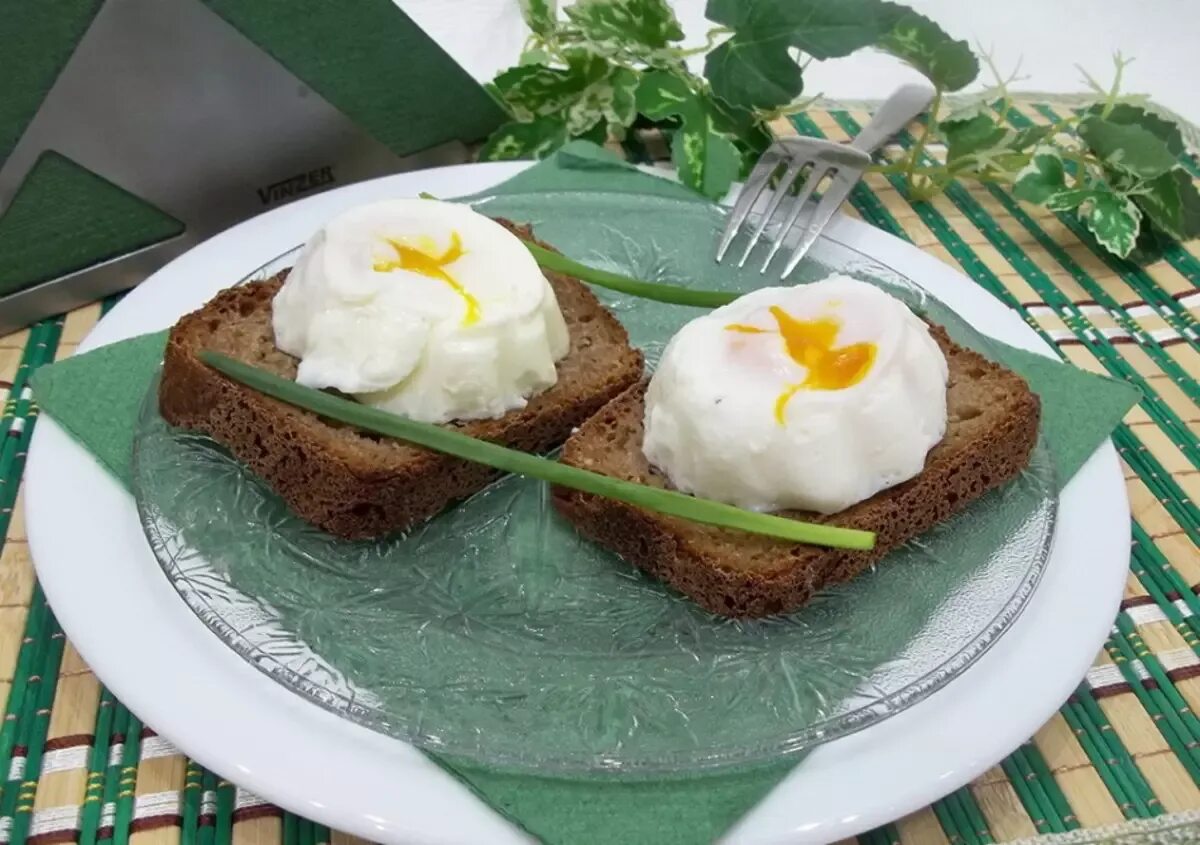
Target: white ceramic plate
(129,624)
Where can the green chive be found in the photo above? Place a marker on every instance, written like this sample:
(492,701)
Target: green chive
(673,294)
(510,460)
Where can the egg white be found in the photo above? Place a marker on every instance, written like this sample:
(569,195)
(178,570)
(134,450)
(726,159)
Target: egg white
(477,343)
(712,421)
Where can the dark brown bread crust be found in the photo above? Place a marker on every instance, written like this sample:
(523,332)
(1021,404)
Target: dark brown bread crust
(349,482)
(992,428)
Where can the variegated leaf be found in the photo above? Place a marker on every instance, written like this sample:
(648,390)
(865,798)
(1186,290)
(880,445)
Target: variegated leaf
(535,90)
(1127,114)
(609,102)
(662,94)
(626,23)
(1042,177)
(588,110)
(707,159)
(1127,147)
(1114,220)
(1067,200)
(923,44)
(539,15)
(534,139)
(622,110)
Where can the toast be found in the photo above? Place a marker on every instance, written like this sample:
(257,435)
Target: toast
(352,483)
(992,426)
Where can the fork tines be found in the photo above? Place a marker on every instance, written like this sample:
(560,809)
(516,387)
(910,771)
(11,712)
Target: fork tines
(781,165)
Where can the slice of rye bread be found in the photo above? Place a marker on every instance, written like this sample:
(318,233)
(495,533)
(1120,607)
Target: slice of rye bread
(992,427)
(349,482)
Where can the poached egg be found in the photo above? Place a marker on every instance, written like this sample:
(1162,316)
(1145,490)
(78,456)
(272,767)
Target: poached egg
(426,309)
(811,397)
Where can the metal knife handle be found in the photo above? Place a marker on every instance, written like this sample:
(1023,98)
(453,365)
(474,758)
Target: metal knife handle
(897,111)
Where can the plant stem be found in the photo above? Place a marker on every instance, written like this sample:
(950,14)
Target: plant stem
(930,127)
(789,109)
(1115,90)
(905,166)
(1001,86)
(1091,82)
(710,40)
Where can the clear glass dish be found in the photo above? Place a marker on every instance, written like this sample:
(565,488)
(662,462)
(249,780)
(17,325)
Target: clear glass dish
(493,634)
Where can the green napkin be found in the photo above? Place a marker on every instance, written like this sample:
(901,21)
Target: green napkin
(364,56)
(96,398)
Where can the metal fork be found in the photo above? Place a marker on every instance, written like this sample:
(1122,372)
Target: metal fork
(844,164)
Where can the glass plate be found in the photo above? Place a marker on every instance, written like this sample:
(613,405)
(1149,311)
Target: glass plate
(494,634)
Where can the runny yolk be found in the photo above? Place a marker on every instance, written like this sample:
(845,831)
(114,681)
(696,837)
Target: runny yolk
(810,343)
(433,266)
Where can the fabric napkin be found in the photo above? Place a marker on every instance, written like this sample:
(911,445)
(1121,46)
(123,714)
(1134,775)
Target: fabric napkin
(96,398)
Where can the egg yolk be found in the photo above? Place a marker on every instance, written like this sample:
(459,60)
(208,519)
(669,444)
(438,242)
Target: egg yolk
(810,343)
(433,266)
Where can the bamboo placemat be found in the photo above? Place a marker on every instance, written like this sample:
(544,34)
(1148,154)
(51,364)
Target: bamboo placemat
(1124,751)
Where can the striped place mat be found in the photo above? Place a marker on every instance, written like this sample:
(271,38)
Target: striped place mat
(1120,759)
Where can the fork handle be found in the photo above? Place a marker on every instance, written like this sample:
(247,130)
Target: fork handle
(897,111)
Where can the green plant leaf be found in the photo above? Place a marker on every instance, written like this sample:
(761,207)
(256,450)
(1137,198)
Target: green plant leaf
(1030,136)
(992,149)
(1130,115)
(539,15)
(598,134)
(662,94)
(1190,199)
(535,56)
(448,441)
(534,139)
(920,42)
(626,23)
(754,74)
(822,29)
(970,136)
(744,125)
(707,158)
(970,115)
(530,91)
(1043,177)
(1130,148)
(1113,219)
(964,113)
(1172,203)
(728,12)
(755,69)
